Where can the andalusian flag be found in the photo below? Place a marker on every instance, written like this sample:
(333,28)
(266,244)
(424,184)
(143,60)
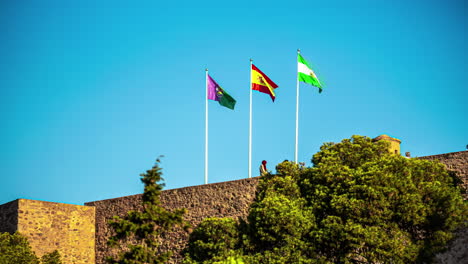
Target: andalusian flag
(261,82)
(306,74)
(216,93)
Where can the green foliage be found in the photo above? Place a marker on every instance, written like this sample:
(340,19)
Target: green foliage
(15,248)
(51,258)
(139,232)
(213,237)
(357,204)
(231,260)
(278,219)
(379,207)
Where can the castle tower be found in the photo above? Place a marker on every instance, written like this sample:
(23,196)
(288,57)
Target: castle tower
(394,143)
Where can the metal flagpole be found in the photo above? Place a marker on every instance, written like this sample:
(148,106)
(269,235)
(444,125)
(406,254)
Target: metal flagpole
(297,111)
(206,126)
(250,123)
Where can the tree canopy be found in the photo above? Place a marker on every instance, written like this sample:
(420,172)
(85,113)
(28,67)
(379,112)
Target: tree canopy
(358,203)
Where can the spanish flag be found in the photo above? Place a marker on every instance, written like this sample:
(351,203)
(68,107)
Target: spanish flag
(261,82)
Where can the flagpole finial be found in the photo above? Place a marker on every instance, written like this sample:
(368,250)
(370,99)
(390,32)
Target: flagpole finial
(251,60)
(206,69)
(298,51)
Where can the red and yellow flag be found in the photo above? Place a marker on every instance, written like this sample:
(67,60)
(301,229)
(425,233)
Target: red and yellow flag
(261,82)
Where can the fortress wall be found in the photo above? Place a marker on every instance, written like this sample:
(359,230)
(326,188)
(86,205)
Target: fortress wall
(225,199)
(53,226)
(9,217)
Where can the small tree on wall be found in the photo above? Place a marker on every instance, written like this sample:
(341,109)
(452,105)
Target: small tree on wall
(138,233)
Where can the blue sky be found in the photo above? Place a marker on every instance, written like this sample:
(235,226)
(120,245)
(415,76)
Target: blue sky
(91,92)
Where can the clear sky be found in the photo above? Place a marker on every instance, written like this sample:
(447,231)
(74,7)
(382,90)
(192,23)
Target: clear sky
(92,92)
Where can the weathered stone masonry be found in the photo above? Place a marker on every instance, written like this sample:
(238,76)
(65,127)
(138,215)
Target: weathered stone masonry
(53,226)
(225,199)
(9,217)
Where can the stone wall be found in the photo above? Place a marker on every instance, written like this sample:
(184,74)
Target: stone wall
(225,199)
(68,228)
(9,217)
(457,252)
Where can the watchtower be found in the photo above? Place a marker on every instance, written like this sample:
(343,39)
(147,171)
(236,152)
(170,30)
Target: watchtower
(394,143)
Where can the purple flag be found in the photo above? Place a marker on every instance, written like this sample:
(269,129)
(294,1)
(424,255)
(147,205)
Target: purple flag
(213,87)
(216,93)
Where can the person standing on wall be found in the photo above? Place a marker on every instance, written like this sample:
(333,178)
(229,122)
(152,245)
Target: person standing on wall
(263,168)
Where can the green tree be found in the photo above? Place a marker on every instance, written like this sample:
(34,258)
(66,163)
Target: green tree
(357,204)
(51,258)
(379,207)
(138,233)
(279,221)
(15,248)
(213,239)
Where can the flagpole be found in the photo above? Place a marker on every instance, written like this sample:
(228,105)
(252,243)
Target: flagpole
(250,122)
(297,112)
(206,126)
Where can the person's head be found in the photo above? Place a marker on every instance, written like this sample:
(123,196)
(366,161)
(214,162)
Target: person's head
(264,162)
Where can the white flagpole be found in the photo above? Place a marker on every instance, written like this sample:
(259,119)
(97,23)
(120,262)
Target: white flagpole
(250,123)
(297,111)
(206,126)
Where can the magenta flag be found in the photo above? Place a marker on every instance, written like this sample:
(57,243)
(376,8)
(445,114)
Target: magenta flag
(216,93)
(212,85)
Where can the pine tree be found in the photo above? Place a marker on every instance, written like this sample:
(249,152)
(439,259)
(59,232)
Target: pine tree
(138,233)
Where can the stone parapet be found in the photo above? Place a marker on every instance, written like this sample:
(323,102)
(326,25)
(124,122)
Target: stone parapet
(225,199)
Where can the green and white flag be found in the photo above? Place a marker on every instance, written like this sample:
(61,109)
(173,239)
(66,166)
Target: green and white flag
(306,74)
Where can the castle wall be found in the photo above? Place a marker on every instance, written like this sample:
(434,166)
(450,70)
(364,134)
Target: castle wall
(68,228)
(225,199)
(9,217)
